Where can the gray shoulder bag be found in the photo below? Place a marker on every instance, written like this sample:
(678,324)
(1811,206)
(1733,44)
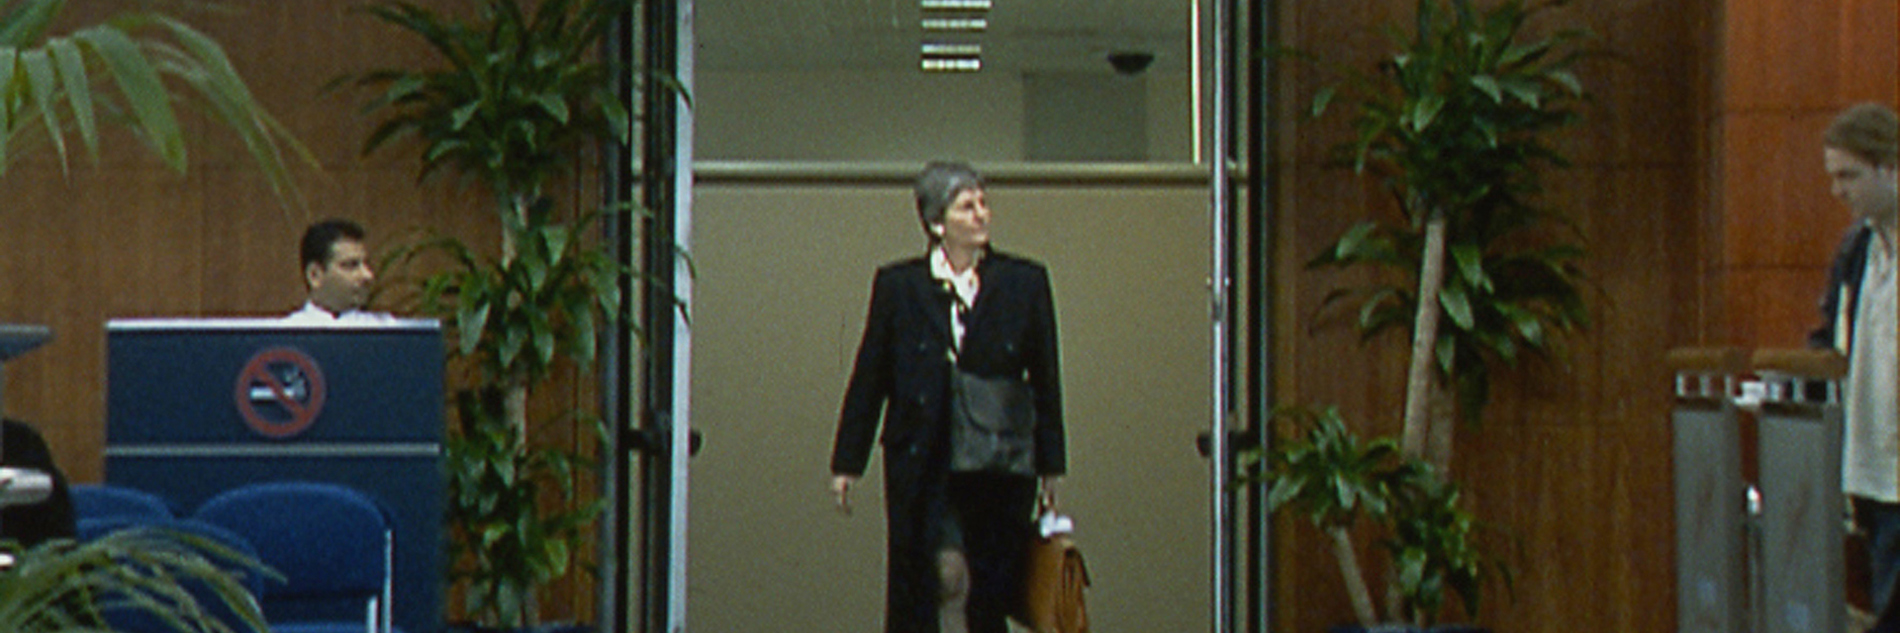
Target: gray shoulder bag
(992,422)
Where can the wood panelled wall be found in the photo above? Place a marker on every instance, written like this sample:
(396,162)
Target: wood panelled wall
(1692,242)
(1572,461)
(128,238)
(1788,66)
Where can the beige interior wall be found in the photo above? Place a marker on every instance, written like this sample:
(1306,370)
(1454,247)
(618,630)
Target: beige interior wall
(880,115)
(783,281)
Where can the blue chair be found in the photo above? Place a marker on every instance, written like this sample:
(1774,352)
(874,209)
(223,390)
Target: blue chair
(332,544)
(195,535)
(98,508)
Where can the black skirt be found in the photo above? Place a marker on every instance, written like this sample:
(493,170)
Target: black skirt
(987,517)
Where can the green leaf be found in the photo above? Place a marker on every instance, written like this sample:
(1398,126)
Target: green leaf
(1457,305)
(1520,53)
(1425,111)
(473,322)
(1342,492)
(554,106)
(44,84)
(1525,91)
(1489,86)
(210,73)
(144,92)
(72,72)
(60,585)
(544,344)
(1469,259)
(1447,354)
(513,338)
(1380,301)
(1388,316)
(27,22)
(1321,100)
(1568,80)
(1283,492)
(460,116)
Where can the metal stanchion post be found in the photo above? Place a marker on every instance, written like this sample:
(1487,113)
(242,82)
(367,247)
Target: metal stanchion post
(1801,561)
(1712,594)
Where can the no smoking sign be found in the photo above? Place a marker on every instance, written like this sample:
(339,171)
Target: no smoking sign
(280,392)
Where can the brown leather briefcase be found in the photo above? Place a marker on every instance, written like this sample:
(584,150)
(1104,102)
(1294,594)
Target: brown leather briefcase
(1054,584)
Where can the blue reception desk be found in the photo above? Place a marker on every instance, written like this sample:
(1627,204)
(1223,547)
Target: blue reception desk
(198,406)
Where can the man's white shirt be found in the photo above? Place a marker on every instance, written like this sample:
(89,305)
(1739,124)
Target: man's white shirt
(1870,466)
(311,314)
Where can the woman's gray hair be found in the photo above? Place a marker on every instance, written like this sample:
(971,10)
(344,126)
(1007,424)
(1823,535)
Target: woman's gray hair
(938,186)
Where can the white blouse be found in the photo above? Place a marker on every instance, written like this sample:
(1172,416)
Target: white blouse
(962,286)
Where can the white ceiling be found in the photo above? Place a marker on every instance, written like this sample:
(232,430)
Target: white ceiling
(1034,35)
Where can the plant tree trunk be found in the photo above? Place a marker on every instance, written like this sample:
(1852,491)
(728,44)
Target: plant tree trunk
(1420,376)
(1444,427)
(515,399)
(514,407)
(515,207)
(1355,579)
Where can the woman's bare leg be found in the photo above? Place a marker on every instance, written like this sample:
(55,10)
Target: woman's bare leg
(953,575)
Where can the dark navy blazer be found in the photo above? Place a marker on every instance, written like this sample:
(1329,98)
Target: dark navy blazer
(902,379)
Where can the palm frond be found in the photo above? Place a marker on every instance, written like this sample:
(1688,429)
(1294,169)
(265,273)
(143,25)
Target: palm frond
(136,63)
(67,586)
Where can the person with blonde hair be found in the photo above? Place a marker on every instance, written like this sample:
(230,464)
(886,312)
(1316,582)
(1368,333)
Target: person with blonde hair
(1858,311)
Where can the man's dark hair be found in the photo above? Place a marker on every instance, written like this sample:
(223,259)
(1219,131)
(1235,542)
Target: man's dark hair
(318,239)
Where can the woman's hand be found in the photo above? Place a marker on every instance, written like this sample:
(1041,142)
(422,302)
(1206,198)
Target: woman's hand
(841,489)
(1046,500)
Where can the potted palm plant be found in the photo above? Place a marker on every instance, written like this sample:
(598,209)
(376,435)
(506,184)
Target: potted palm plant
(1344,484)
(521,96)
(1459,123)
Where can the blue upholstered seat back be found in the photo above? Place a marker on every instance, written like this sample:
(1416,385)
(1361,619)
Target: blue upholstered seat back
(330,542)
(97,508)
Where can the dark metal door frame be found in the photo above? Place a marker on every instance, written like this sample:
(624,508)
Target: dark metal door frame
(660,178)
(1246,80)
(644,385)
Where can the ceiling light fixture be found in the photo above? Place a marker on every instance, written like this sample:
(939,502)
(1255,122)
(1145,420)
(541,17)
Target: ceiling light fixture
(945,49)
(950,64)
(954,5)
(956,24)
(951,29)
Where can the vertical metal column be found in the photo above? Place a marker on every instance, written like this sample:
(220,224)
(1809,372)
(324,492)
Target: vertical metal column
(681,444)
(620,185)
(1261,84)
(1220,289)
(1712,589)
(1801,565)
(665,433)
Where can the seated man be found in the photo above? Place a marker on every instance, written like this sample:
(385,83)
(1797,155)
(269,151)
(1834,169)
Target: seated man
(337,274)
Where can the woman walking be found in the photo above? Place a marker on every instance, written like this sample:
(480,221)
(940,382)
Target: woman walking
(960,313)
